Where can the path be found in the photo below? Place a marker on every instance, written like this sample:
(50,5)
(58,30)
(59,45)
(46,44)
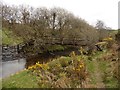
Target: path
(96,75)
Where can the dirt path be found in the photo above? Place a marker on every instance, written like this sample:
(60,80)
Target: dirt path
(98,75)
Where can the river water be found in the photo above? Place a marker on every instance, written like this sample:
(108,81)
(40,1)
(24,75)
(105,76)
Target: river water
(11,67)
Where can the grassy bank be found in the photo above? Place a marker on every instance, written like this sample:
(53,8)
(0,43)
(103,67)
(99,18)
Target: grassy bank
(23,79)
(101,70)
(64,72)
(56,73)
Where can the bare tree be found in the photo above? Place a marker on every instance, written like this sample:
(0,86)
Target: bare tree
(102,29)
(45,26)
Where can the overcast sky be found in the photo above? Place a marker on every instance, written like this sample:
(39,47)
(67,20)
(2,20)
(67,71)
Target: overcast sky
(90,10)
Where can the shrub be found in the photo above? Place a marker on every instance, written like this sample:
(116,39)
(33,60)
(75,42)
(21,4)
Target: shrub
(61,73)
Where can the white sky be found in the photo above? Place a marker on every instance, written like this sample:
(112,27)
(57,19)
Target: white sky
(90,10)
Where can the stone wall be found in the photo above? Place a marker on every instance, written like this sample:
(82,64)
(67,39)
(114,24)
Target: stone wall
(10,53)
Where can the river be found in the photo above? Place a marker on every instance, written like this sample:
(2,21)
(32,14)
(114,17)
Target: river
(11,67)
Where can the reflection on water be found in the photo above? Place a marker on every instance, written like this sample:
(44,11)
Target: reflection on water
(11,67)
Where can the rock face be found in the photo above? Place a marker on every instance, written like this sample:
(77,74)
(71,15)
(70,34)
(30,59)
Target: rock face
(9,53)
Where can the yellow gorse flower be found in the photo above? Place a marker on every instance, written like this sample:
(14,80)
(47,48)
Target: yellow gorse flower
(45,66)
(108,39)
(78,69)
(81,65)
(38,66)
(30,68)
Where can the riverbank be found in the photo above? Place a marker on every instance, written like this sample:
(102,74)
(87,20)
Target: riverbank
(21,79)
(48,56)
(99,64)
(22,63)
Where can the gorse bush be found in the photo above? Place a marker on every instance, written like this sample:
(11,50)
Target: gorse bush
(60,73)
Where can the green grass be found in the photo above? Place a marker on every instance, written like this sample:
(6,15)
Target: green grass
(9,38)
(55,47)
(113,31)
(21,80)
(89,61)
(108,79)
(90,66)
(103,65)
(111,82)
(91,69)
(0,83)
